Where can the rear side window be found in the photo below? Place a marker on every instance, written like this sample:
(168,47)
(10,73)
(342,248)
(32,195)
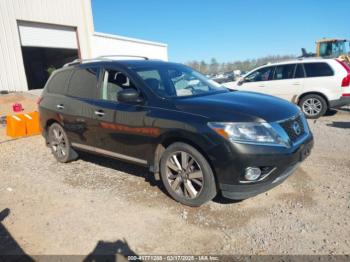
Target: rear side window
(84,83)
(59,81)
(318,69)
(299,71)
(284,72)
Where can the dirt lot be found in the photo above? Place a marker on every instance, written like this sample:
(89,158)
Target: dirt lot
(100,204)
(28,101)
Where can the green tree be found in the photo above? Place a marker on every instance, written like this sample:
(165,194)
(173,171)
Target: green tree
(215,67)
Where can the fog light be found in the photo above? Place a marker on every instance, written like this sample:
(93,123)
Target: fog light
(252,173)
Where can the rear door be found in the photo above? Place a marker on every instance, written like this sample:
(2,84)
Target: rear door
(53,105)
(287,81)
(82,94)
(320,77)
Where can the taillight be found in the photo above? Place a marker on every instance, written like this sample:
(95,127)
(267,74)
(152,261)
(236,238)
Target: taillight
(346,80)
(39,100)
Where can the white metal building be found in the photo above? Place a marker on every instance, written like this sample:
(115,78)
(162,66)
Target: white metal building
(39,35)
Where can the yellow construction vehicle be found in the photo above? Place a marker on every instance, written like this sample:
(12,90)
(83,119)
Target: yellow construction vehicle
(334,48)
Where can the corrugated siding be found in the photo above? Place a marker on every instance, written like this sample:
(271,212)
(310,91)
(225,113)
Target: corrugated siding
(47,35)
(103,44)
(74,13)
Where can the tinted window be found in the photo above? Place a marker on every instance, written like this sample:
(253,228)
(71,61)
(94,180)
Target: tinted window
(59,82)
(84,83)
(114,82)
(299,71)
(284,72)
(153,80)
(263,74)
(317,69)
(175,80)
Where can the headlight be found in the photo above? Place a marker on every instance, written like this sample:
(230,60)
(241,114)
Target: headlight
(260,133)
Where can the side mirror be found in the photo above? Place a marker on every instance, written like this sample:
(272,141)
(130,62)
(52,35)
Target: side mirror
(129,96)
(240,81)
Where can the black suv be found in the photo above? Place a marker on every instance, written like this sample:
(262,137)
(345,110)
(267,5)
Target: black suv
(197,136)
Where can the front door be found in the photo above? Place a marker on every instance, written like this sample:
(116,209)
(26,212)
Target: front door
(120,130)
(258,81)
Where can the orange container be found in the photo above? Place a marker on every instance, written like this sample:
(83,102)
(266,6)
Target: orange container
(15,126)
(32,123)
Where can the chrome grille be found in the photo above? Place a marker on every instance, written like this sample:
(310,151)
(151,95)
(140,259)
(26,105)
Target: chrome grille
(290,126)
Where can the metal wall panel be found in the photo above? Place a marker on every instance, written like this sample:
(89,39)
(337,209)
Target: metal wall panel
(105,44)
(46,35)
(72,13)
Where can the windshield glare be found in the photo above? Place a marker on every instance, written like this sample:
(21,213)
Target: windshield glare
(177,81)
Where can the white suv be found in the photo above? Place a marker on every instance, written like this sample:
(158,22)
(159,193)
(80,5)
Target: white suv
(315,84)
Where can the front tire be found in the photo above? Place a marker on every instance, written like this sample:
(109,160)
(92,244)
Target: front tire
(60,145)
(187,175)
(313,106)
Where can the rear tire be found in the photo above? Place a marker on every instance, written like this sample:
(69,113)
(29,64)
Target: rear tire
(60,145)
(187,175)
(313,106)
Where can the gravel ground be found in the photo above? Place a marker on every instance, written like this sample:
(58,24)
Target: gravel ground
(101,204)
(26,99)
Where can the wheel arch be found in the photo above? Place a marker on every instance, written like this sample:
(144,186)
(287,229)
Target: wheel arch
(48,123)
(313,93)
(171,139)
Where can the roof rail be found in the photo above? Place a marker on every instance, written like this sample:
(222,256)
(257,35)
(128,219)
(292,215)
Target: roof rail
(134,56)
(101,58)
(80,61)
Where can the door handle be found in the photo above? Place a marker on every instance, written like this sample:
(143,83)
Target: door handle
(296,84)
(99,113)
(60,106)
(261,85)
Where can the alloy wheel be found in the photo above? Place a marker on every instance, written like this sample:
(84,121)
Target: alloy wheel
(312,107)
(184,175)
(58,142)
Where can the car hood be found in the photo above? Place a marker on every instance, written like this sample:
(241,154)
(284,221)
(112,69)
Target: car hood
(238,106)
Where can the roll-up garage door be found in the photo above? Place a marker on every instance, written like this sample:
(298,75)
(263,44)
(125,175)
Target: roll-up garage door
(47,35)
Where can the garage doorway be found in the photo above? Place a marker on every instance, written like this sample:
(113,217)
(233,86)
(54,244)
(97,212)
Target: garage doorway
(40,62)
(46,47)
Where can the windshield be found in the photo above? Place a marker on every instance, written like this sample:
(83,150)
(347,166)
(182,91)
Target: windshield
(334,49)
(177,81)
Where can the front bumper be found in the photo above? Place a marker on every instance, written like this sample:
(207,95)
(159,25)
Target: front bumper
(343,101)
(239,192)
(284,161)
